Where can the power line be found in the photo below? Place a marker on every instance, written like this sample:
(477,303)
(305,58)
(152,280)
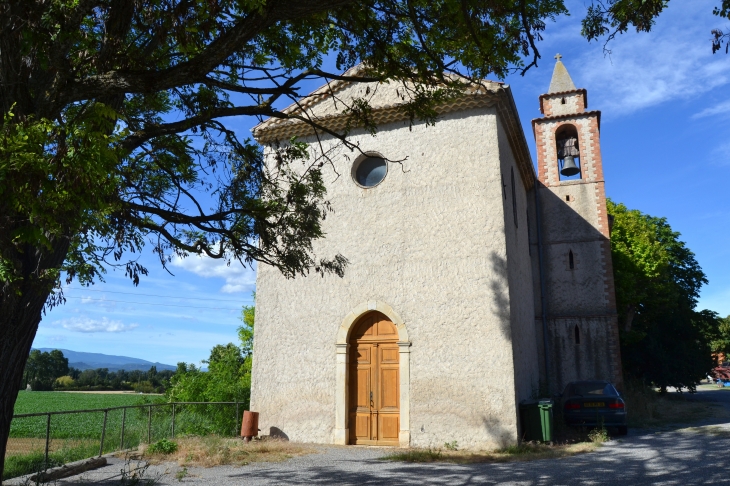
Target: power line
(151,303)
(154,295)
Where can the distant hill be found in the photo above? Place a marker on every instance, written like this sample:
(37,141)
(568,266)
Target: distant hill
(86,361)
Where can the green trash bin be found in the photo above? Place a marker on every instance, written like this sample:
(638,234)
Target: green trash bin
(537,420)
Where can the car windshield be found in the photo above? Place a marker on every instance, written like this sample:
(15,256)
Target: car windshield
(583,389)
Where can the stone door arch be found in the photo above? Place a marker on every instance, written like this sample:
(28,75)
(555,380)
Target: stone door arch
(344,357)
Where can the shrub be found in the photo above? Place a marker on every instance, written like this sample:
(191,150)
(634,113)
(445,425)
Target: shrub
(598,436)
(163,446)
(64,382)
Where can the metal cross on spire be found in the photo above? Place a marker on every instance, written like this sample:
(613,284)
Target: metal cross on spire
(558,56)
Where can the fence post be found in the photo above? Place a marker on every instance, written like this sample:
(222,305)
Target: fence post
(149,425)
(48,439)
(237,427)
(103,433)
(173,420)
(124,417)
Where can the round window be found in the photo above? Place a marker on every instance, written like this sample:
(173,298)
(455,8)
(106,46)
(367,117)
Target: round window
(370,171)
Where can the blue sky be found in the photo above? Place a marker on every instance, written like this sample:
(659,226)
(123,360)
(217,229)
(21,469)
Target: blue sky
(665,134)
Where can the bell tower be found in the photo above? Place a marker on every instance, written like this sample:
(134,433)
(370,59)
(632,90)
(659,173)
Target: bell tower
(579,308)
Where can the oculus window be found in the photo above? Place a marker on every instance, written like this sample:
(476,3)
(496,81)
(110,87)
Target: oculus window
(370,171)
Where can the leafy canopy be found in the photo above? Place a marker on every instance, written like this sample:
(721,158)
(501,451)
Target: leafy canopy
(114,116)
(114,131)
(664,340)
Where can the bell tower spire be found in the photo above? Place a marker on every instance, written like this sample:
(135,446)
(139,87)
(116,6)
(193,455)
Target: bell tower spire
(561,80)
(576,246)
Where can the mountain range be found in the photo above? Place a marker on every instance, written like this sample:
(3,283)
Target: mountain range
(85,361)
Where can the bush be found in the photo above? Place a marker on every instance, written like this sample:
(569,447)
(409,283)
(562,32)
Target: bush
(163,446)
(64,382)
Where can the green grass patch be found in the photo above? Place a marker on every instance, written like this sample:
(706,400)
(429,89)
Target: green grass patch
(34,462)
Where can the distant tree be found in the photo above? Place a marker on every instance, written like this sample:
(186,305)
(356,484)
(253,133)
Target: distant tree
(664,340)
(42,369)
(245,332)
(721,341)
(74,373)
(224,381)
(64,382)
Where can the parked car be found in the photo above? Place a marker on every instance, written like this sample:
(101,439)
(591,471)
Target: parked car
(593,404)
(722,382)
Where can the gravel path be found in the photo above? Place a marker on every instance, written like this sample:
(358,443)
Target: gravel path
(686,456)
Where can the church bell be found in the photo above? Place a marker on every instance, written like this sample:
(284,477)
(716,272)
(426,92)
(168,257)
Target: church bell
(569,167)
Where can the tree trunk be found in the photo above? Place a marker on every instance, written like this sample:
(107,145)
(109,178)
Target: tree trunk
(16,335)
(21,307)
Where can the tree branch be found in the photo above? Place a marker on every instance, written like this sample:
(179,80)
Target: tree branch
(245,30)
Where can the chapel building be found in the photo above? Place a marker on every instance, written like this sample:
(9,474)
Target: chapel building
(474,282)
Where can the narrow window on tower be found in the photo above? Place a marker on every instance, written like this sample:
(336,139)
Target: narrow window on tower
(514,197)
(529,235)
(577,334)
(571,263)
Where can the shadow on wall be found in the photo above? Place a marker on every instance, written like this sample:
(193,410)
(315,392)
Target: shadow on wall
(502,435)
(277,433)
(580,312)
(500,294)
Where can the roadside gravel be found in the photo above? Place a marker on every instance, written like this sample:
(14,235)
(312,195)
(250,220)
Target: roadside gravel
(696,455)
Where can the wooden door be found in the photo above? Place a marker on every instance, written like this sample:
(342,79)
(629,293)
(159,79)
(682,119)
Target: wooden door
(374,401)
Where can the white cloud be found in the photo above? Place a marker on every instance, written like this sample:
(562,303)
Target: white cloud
(84,324)
(673,62)
(721,154)
(237,277)
(722,109)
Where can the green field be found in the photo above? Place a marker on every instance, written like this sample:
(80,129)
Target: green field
(193,419)
(78,435)
(37,402)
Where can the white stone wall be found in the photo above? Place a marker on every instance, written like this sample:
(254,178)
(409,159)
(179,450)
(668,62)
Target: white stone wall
(519,270)
(425,241)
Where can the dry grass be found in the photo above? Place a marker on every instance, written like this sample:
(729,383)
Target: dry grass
(28,445)
(213,450)
(647,408)
(522,452)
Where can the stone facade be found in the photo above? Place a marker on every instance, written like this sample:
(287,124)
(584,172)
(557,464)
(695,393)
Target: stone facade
(447,248)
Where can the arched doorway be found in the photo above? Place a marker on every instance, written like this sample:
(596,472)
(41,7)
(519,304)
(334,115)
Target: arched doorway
(374,382)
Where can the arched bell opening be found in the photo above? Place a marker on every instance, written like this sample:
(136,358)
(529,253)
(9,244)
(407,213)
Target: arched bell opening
(568,150)
(571,260)
(577,334)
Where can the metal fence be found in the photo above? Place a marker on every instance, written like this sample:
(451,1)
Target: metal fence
(41,440)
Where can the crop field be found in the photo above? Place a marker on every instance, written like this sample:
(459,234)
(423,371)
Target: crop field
(38,402)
